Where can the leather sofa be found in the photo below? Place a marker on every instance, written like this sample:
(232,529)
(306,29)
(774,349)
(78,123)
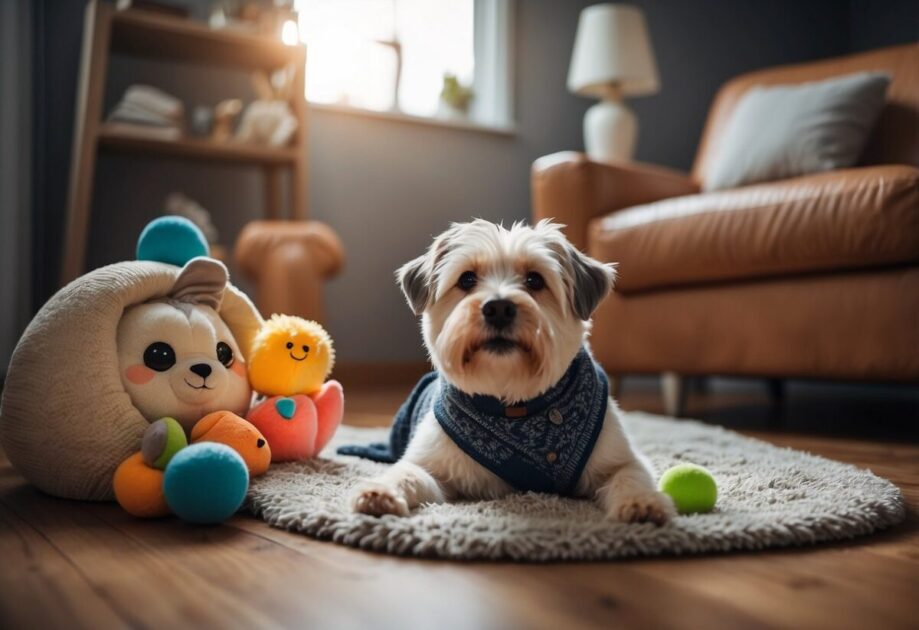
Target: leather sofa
(810,277)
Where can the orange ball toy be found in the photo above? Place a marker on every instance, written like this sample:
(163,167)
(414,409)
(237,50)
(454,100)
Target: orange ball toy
(139,488)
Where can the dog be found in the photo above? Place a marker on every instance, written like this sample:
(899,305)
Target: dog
(505,316)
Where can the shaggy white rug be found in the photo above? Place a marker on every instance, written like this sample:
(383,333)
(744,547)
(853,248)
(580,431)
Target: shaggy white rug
(768,497)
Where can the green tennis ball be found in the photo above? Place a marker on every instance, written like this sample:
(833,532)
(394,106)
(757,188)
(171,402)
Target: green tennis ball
(162,439)
(691,487)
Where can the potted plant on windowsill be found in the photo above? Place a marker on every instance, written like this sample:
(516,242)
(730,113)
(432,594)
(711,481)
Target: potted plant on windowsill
(454,98)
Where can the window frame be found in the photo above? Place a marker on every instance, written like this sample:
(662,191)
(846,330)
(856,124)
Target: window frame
(492,108)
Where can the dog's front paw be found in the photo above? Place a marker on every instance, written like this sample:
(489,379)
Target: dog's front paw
(648,507)
(376,500)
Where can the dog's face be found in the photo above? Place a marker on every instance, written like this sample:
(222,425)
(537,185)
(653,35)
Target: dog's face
(504,311)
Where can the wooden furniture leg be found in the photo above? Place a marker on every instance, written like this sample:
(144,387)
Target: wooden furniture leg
(98,23)
(776,390)
(274,198)
(674,391)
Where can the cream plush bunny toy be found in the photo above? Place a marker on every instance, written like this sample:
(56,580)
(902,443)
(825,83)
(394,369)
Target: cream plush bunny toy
(118,348)
(177,357)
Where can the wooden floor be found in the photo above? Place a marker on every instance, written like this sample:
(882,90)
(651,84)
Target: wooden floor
(71,564)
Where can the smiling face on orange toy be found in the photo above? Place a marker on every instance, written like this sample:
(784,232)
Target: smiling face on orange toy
(290,356)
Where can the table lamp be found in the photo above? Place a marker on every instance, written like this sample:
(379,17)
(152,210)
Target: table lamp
(612,59)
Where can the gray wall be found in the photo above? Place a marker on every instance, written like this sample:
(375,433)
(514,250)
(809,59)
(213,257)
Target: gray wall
(387,187)
(15,143)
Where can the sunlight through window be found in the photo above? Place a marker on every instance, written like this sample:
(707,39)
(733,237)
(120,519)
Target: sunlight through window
(386,55)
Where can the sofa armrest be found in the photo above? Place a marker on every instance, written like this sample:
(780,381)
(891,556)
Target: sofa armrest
(572,189)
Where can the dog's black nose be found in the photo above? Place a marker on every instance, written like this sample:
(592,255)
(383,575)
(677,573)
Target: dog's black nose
(499,314)
(201,369)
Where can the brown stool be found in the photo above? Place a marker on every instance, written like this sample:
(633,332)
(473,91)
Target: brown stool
(288,261)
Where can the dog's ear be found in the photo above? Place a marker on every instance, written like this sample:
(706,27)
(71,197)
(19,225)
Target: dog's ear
(590,281)
(414,277)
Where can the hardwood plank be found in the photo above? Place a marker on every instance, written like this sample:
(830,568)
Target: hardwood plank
(42,581)
(82,564)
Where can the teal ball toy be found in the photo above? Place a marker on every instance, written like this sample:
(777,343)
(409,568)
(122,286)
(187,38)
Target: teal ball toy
(692,488)
(173,240)
(206,483)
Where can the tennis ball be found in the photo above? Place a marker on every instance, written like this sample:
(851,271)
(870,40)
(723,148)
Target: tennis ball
(206,483)
(162,440)
(171,239)
(691,487)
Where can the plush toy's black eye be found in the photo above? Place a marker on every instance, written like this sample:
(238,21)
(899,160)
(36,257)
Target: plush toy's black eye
(290,344)
(535,281)
(306,348)
(467,281)
(224,354)
(159,356)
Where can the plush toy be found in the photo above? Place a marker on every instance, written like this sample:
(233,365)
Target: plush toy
(140,481)
(290,355)
(177,357)
(290,359)
(228,428)
(206,483)
(692,488)
(119,348)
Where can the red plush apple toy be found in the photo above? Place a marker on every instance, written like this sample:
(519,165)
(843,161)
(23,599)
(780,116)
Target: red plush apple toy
(299,426)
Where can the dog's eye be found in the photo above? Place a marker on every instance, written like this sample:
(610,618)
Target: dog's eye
(535,281)
(224,354)
(290,344)
(159,356)
(467,281)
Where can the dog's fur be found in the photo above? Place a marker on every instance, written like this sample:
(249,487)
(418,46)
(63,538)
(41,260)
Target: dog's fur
(549,329)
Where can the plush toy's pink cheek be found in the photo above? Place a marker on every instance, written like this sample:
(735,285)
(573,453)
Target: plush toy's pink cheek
(139,374)
(240,368)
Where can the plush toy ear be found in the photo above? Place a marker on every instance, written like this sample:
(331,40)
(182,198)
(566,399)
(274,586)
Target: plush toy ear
(201,281)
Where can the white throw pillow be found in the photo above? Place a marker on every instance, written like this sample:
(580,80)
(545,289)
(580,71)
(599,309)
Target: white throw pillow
(783,131)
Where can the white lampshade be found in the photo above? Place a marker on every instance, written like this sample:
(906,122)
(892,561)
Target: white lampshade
(612,49)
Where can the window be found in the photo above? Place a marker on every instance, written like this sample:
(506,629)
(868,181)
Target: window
(395,56)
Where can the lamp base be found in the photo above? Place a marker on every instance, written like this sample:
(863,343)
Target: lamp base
(610,130)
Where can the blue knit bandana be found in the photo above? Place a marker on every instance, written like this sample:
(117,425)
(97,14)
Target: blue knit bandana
(539,445)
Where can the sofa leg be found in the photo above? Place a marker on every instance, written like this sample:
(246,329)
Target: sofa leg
(776,390)
(615,385)
(674,390)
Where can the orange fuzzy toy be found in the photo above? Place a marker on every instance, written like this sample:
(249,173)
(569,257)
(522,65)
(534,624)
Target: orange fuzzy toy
(139,488)
(228,428)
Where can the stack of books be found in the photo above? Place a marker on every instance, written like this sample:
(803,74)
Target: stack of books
(149,112)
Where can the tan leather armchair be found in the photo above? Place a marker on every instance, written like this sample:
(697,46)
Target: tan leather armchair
(813,277)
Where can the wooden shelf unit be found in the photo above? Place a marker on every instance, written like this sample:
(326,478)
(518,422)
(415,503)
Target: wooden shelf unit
(195,149)
(144,34)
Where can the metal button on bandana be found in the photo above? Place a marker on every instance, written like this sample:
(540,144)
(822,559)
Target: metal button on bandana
(551,457)
(556,417)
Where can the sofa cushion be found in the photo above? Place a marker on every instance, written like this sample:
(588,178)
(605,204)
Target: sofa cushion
(847,219)
(783,131)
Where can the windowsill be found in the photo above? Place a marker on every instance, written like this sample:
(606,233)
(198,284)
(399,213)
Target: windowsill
(449,123)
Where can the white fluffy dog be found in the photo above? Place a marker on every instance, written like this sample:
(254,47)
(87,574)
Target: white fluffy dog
(505,318)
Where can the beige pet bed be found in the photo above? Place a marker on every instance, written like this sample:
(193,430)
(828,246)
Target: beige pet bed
(66,422)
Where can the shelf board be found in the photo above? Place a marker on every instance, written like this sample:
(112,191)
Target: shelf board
(145,34)
(196,149)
